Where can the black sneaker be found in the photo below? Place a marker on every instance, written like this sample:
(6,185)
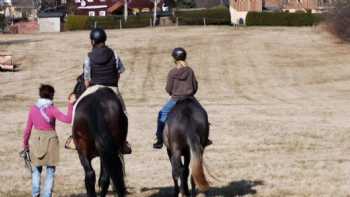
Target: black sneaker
(158,144)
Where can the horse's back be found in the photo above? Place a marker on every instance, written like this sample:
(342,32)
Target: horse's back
(188,118)
(101,107)
(190,109)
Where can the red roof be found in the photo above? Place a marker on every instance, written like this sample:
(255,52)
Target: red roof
(140,4)
(116,6)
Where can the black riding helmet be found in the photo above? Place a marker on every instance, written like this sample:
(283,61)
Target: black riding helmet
(179,54)
(98,35)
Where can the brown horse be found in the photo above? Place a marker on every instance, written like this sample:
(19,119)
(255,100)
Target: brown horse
(99,129)
(186,135)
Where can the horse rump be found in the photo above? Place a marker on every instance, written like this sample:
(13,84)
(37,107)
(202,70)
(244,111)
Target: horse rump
(97,109)
(188,128)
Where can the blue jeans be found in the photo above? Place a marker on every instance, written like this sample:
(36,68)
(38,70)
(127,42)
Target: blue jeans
(162,117)
(163,114)
(49,181)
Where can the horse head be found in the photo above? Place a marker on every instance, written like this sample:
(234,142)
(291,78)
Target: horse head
(79,87)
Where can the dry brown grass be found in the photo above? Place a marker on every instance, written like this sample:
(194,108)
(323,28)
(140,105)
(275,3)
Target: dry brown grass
(278,101)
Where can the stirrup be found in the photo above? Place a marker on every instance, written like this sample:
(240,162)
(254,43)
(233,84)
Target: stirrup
(70,144)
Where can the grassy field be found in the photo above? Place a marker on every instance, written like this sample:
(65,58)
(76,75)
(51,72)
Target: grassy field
(277,98)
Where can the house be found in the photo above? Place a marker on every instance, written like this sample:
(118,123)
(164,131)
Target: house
(21,9)
(106,7)
(240,8)
(93,7)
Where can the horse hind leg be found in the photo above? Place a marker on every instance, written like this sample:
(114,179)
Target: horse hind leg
(90,177)
(185,171)
(114,167)
(193,187)
(103,181)
(175,173)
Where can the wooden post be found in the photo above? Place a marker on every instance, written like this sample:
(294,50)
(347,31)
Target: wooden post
(150,22)
(120,24)
(177,21)
(205,21)
(155,12)
(125,10)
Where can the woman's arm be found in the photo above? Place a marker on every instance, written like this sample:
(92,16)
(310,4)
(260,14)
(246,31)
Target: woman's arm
(61,116)
(27,131)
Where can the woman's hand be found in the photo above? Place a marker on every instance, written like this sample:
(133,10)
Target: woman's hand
(72,98)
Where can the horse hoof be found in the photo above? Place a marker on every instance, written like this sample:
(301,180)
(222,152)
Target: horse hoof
(201,195)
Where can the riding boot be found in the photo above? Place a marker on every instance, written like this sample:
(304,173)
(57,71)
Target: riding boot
(126,148)
(209,142)
(159,134)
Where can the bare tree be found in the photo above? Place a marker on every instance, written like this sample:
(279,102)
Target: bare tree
(70,7)
(339,20)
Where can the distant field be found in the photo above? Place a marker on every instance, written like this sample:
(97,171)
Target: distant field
(277,98)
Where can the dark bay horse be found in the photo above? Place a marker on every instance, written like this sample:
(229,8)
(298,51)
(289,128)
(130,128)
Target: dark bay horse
(186,135)
(99,129)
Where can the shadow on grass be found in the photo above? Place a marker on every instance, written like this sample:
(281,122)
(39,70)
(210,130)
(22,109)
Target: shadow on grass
(235,188)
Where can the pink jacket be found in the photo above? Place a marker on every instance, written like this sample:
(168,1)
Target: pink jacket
(37,120)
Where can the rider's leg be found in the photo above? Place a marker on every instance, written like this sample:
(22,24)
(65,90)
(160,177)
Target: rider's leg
(162,116)
(126,148)
(119,95)
(209,142)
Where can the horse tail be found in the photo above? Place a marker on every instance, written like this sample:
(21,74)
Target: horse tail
(108,150)
(197,161)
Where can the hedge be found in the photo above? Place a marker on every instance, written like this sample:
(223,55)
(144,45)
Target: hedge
(76,22)
(282,19)
(214,16)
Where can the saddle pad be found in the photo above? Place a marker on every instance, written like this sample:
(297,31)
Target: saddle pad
(90,90)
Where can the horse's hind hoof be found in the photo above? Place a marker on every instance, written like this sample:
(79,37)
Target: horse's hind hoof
(202,195)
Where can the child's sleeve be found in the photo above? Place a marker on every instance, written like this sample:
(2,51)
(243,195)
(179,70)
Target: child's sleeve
(194,83)
(169,84)
(119,63)
(87,69)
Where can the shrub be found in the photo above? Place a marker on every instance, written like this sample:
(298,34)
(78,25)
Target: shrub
(214,16)
(282,19)
(2,22)
(106,22)
(76,23)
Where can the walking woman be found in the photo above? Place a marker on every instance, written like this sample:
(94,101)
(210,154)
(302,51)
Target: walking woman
(41,140)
